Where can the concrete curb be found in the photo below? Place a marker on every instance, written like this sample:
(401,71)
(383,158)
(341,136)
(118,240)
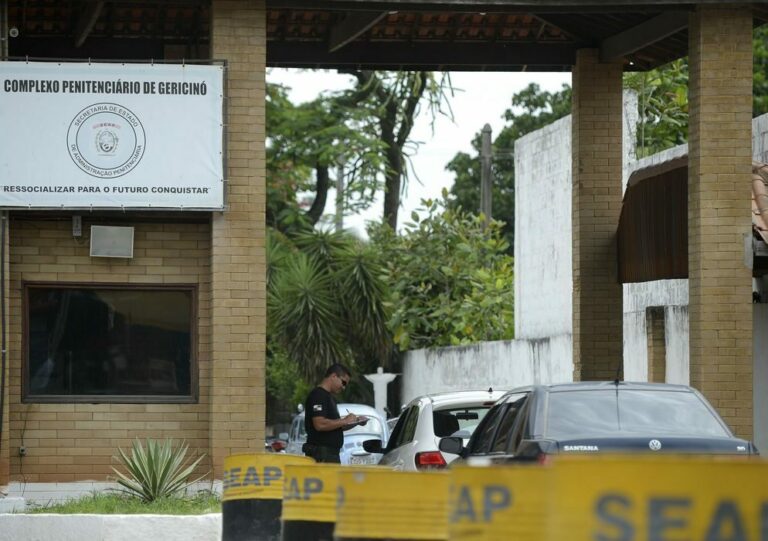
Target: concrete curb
(44,527)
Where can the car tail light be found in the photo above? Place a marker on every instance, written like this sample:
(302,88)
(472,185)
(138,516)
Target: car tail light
(544,459)
(430,459)
(278,446)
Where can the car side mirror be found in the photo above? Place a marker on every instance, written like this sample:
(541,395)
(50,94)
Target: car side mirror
(373,446)
(452,445)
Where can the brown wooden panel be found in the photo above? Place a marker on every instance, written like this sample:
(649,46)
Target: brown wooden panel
(653,227)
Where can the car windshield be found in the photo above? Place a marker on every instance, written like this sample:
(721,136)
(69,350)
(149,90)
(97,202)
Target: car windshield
(594,413)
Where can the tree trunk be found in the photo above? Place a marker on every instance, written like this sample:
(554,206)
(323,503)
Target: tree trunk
(394,172)
(315,212)
(395,122)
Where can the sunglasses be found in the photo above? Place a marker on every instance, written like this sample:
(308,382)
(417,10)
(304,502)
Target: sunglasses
(343,381)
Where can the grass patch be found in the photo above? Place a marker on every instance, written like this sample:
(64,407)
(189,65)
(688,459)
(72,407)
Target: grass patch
(120,504)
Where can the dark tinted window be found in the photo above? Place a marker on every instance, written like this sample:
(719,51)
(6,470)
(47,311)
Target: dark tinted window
(110,342)
(483,436)
(576,414)
(507,426)
(405,428)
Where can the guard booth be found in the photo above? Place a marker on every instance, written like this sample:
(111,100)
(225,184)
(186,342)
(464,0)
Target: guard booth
(132,200)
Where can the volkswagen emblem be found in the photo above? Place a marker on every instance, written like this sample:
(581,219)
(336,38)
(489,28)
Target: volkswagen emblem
(654,445)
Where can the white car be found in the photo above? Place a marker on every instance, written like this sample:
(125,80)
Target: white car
(413,444)
(352,452)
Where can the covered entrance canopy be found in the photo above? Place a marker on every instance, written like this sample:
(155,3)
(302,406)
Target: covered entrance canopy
(595,40)
(436,35)
(475,34)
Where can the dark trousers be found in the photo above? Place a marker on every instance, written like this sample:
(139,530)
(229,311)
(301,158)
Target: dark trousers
(322,453)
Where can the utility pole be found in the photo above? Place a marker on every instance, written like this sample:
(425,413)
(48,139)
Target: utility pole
(486,158)
(339,221)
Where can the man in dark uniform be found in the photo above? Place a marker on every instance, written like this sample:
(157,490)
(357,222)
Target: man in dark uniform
(325,427)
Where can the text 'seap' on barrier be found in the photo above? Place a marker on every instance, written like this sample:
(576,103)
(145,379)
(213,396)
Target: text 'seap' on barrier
(310,497)
(252,496)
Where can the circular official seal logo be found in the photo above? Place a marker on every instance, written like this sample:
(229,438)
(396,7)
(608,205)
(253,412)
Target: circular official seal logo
(654,445)
(106,140)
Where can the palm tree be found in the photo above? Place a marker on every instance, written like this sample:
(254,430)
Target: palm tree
(326,301)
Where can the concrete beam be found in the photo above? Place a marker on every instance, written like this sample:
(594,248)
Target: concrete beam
(643,35)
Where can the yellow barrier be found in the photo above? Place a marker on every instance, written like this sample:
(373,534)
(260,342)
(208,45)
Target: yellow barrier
(384,504)
(659,498)
(310,494)
(252,495)
(496,503)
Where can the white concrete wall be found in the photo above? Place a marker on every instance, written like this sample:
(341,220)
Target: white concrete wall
(501,365)
(760,377)
(760,138)
(635,342)
(676,342)
(637,298)
(543,243)
(110,527)
(543,280)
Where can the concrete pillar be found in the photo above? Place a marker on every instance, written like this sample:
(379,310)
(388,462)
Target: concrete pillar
(597,193)
(719,169)
(657,349)
(238,264)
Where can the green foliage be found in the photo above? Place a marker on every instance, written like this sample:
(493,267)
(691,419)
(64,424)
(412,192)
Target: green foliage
(120,504)
(326,302)
(159,470)
(760,71)
(531,109)
(312,136)
(388,103)
(285,383)
(662,96)
(302,303)
(451,280)
(366,128)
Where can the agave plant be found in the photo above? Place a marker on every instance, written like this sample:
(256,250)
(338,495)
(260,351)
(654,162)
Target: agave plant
(156,471)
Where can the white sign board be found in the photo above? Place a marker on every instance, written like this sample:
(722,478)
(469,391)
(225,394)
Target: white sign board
(79,135)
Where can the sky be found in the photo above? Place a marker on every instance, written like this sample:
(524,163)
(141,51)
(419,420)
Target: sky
(479,98)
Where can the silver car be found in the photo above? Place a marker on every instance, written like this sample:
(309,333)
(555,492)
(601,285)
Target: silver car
(413,444)
(352,452)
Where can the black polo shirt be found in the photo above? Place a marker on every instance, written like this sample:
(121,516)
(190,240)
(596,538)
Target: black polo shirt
(320,403)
